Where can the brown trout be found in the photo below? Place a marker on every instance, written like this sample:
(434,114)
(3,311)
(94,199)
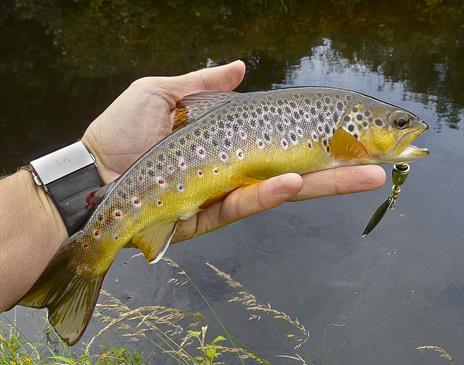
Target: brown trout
(223,140)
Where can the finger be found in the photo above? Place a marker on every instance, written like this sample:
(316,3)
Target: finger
(241,203)
(341,180)
(226,77)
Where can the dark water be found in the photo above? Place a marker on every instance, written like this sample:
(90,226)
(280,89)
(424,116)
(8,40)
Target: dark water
(364,301)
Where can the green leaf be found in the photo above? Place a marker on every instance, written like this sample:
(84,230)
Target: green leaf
(65,360)
(218,339)
(195,334)
(210,353)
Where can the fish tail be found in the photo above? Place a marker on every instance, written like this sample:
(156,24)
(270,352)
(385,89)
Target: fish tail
(69,295)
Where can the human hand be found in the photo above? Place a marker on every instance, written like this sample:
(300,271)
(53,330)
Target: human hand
(144,114)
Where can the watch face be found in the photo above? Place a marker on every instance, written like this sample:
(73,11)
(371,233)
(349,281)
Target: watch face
(62,162)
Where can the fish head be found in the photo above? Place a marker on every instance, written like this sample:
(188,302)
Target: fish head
(386,131)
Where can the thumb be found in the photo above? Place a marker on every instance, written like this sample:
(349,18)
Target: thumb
(226,78)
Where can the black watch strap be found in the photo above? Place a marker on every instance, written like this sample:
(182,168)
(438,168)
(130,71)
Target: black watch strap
(68,176)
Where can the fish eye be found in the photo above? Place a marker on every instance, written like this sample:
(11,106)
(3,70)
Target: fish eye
(402,122)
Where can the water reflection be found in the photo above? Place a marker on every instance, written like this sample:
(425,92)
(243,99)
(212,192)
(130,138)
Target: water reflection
(364,301)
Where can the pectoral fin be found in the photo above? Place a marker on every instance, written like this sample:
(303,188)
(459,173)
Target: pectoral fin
(345,147)
(155,240)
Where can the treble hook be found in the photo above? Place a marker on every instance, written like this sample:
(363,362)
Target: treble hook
(400,173)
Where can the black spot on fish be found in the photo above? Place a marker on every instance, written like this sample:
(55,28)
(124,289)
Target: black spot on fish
(235,127)
(355,110)
(265,108)
(307,101)
(327,100)
(347,118)
(193,147)
(335,117)
(161,157)
(266,137)
(206,135)
(227,142)
(351,127)
(359,117)
(318,104)
(287,110)
(159,166)
(378,122)
(313,110)
(320,117)
(272,109)
(149,163)
(340,106)
(327,129)
(221,125)
(280,127)
(280,102)
(171,145)
(293,104)
(182,140)
(214,143)
(230,117)
(259,110)
(367,113)
(151,172)
(296,115)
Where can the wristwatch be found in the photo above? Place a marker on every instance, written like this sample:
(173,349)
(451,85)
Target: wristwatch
(68,175)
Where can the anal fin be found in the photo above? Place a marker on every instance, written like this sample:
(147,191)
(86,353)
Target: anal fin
(154,240)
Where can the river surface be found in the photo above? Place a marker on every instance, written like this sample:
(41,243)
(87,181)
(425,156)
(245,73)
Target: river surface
(370,300)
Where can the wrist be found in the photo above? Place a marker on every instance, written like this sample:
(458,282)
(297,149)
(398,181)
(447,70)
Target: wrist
(43,207)
(107,175)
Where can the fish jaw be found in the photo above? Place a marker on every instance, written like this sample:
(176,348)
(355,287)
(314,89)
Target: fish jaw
(403,151)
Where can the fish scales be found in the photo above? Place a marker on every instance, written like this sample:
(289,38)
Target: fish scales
(201,160)
(225,140)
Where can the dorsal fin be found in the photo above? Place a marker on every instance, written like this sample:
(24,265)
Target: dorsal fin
(193,107)
(345,147)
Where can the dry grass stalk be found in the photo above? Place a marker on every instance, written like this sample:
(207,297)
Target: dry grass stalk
(251,304)
(137,322)
(439,350)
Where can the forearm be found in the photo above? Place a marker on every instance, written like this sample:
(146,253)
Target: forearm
(31,230)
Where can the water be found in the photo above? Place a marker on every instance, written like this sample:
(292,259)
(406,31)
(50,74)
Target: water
(364,301)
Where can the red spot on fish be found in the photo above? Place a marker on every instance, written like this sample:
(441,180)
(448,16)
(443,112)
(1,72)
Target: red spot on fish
(96,233)
(85,245)
(118,214)
(136,202)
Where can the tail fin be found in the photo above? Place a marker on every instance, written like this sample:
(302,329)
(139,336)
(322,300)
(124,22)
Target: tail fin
(68,294)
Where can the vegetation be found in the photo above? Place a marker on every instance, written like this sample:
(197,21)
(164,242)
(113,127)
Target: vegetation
(174,334)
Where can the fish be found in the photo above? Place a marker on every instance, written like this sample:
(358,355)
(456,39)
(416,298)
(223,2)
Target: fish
(221,141)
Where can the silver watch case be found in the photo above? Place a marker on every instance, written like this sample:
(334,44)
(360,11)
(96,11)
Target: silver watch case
(61,163)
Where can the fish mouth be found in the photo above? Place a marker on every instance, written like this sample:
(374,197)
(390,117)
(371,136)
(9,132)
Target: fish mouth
(404,151)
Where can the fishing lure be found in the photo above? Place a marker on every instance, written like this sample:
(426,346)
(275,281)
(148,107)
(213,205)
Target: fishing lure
(400,173)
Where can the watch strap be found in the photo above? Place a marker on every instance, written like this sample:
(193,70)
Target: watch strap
(69,193)
(68,175)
